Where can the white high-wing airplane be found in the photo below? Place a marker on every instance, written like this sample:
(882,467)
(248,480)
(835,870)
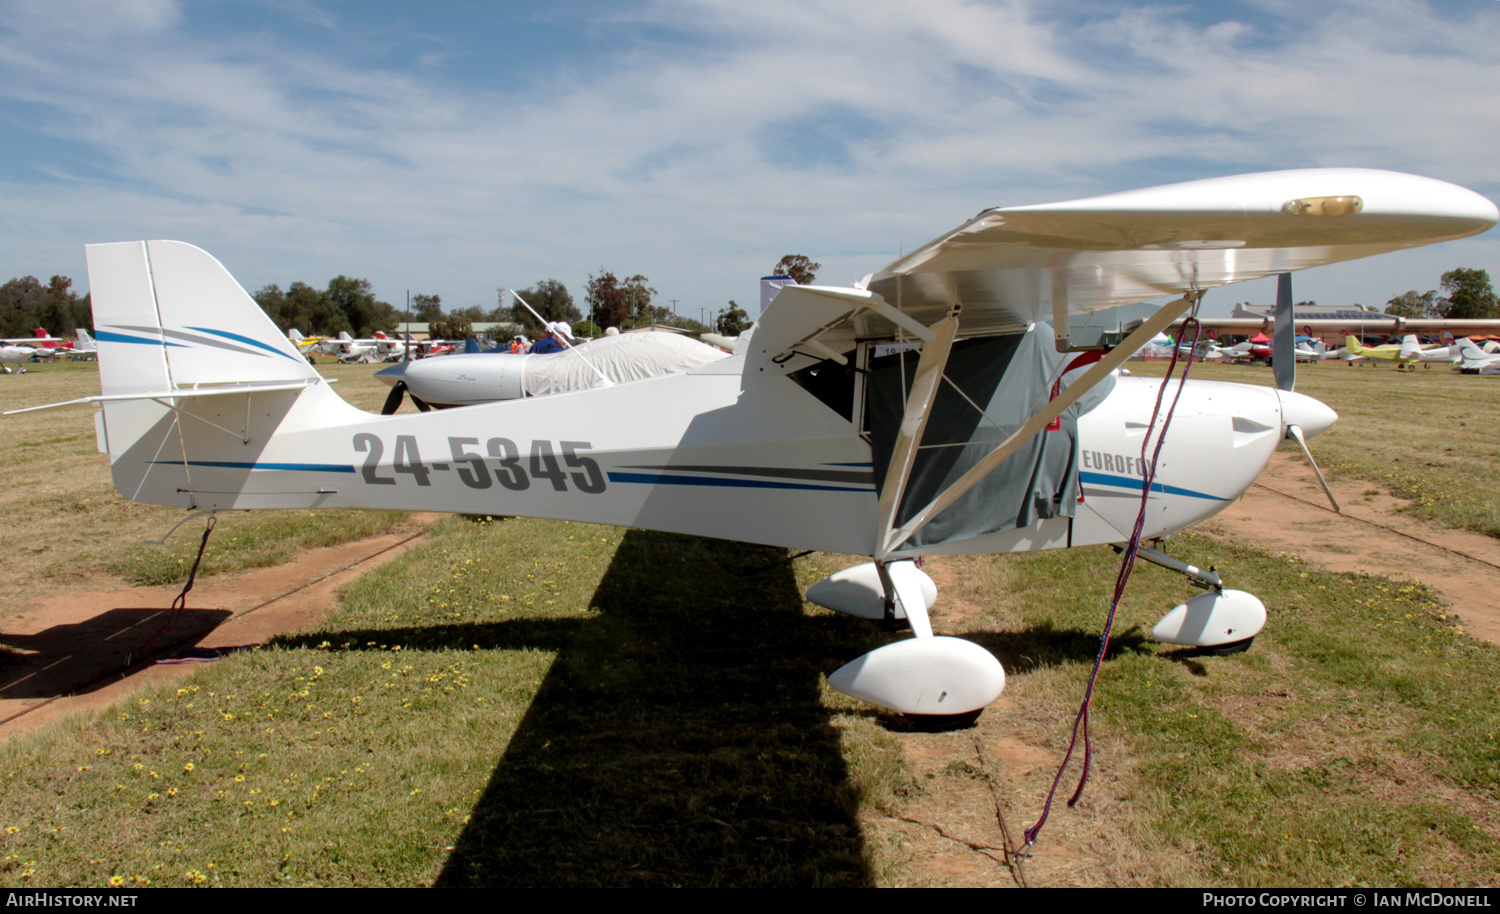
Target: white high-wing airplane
(345,348)
(1473,360)
(1446,355)
(983,441)
(19,350)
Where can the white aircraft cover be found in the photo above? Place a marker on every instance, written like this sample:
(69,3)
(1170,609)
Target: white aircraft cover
(623,358)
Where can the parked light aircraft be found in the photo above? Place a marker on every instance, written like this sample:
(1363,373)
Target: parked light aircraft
(470,378)
(983,441)
(343,347)
(1473,360)
(1412,350)
(22,349)
(1408,351)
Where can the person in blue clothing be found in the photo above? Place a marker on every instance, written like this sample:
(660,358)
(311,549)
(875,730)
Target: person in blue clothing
(558,335)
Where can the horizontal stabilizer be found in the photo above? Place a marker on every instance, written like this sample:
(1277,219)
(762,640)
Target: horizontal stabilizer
(176,393)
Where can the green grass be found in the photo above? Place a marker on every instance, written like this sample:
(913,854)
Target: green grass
(1354,744)
(244,541)
(512,702)
(1428,435)
(68,528)
(543,703)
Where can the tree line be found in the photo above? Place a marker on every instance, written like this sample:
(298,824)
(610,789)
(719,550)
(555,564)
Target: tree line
(26,304)
(349,304)
(1469,296)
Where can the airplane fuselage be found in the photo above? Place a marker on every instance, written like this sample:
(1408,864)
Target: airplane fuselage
(714,452)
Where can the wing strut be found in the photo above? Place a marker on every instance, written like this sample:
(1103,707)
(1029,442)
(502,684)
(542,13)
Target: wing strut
(919,402)
(924,390)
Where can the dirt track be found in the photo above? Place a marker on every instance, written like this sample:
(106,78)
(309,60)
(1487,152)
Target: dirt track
(950,832)
(1286,510)
(76,644)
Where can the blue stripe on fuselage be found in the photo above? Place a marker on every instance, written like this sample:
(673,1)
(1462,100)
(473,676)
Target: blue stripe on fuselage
(1128,482)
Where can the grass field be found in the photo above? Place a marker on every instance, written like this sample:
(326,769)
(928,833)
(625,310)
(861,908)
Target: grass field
(534,702)
(1428,435)
(69,528)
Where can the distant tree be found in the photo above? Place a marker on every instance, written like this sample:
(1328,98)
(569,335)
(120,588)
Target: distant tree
(26,304)
(608,304)
(551,300)
(623,303)
(426,308)
(452,327)
(690,324)
(355,299)
(302,307)
(347,304)
(643,309)
(1413,304)
(273,301)
(732,321)
(798,267)
(1470,295)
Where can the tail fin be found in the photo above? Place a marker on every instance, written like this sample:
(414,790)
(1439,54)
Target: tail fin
(183,353)
(169,315)
(1409,346)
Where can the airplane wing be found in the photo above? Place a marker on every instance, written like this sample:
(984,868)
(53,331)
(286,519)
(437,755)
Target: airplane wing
(1010,266)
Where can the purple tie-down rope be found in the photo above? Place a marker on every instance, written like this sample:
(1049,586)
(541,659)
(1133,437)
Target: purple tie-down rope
(179,604)
(1127,566)
(190,654)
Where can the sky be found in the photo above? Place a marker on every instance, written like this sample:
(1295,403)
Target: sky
(453,148)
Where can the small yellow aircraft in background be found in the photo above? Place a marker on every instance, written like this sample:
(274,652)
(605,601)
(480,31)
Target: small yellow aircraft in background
(1389,352)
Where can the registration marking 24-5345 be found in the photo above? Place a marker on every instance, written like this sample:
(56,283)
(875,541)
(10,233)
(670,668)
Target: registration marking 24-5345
(499,461)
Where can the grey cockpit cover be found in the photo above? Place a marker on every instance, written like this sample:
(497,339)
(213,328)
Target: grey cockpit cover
(1010,377)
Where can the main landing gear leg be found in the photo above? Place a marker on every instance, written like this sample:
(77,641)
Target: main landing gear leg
(943,682)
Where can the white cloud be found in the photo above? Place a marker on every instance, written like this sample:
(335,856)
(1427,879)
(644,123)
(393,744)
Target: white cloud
(682,154)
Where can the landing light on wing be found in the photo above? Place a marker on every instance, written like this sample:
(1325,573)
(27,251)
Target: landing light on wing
(1324,206)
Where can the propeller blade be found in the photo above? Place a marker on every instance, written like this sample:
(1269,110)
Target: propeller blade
(1295,433)
(393,399)
(1283,351)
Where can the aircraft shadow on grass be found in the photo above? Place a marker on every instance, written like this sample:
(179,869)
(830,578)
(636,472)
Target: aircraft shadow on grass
(679,742)
(80,657)
(672,741)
